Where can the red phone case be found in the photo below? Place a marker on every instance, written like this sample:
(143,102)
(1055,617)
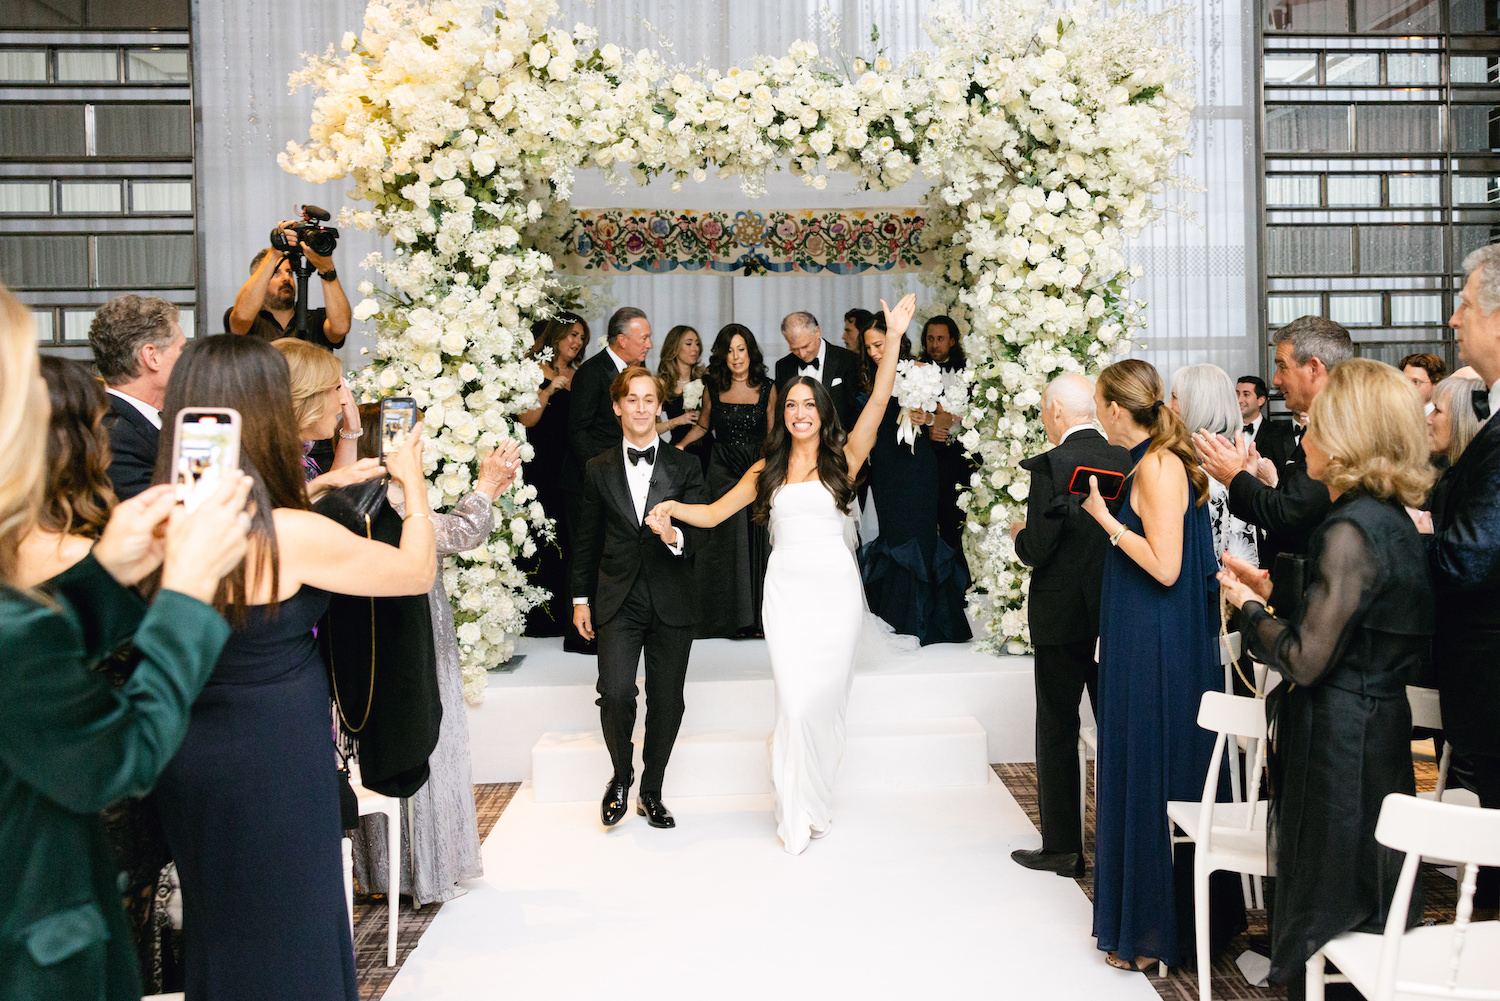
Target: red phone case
(1080,482)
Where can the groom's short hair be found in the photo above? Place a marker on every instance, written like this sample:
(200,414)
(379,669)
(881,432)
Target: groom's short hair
(620,388)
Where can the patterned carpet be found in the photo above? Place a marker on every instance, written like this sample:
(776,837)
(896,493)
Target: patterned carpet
(370,912)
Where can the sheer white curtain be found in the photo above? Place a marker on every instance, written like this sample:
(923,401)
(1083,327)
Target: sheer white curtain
(1200,273)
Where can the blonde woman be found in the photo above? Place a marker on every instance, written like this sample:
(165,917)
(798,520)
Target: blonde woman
(1157,656)
(319,398)
(1343,726)
(70,744)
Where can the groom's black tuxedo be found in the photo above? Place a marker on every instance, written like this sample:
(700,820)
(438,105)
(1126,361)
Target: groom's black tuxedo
(1064,546)
(641,596)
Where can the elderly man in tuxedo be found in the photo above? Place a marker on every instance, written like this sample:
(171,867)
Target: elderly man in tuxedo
(1463,550)
(1306,350)
(136,341)
(809,354)
(1064,546)
(632,583)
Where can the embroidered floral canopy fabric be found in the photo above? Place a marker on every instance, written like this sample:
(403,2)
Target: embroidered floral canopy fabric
(659,241)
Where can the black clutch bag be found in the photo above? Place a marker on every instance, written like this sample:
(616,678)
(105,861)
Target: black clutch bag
(1288,585)
(353,506)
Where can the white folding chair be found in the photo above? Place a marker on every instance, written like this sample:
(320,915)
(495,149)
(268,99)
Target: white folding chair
(374,802)
(1427,712)
(1459,962)
(1228,836)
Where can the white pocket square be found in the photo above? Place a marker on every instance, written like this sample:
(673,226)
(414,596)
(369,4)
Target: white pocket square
(834,383)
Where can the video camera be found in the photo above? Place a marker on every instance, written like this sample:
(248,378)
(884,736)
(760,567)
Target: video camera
(311,233)
(319,239)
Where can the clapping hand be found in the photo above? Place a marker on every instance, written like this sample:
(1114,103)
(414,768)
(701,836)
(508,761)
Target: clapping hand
(898,319)
(497,470)
(405,463)
(1220,459)
(1242,582)
(1263,468)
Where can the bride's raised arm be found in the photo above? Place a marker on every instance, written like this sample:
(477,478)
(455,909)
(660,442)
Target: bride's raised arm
(710,515)
(862,436)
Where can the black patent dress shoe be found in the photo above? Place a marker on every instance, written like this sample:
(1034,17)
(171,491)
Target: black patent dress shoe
(616,800)
(657,815)
(1062,863)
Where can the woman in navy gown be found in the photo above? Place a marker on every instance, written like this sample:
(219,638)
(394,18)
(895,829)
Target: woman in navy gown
(739,405)
(250,802)
(1157,656)
(913,579)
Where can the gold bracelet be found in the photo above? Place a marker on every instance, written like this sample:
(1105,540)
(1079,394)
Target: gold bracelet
(416,514)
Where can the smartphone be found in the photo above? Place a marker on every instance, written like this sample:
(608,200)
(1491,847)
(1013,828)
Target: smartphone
(1110,482)
(398,415)
(205,446)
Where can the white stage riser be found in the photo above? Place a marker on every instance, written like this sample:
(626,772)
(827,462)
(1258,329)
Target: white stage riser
(925,754)
(999,692)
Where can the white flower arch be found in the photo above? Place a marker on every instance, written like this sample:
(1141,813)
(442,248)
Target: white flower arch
(1047,132)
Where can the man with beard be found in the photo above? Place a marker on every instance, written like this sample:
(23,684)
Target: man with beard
(267,304)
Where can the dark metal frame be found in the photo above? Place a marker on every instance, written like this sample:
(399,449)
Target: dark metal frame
(56,170)
(1446,163)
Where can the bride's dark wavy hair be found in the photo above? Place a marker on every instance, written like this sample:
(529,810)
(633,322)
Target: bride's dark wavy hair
(833,466)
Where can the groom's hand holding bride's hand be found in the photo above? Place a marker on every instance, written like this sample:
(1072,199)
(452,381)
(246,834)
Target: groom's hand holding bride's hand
(660,522)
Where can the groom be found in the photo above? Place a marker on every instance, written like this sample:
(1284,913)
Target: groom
(632,583)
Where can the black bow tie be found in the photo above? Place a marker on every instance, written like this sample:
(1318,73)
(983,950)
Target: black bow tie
(1249,430)
(808,364)
(1482,404)
(636,456)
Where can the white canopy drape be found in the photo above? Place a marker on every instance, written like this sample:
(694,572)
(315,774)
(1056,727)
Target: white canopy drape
(1201,274)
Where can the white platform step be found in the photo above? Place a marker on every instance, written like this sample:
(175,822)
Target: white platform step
(895,754)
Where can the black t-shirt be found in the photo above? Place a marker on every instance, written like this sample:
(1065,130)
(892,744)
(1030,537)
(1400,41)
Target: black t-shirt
(266,327)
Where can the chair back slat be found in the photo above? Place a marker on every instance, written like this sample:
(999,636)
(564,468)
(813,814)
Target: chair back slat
(1425,710)
(1419,827)
(1233,714)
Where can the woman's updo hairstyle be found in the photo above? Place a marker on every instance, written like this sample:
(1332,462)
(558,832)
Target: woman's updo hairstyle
(1369,420)
(1137,387)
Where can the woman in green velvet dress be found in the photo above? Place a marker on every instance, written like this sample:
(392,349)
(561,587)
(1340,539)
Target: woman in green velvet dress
(70,744)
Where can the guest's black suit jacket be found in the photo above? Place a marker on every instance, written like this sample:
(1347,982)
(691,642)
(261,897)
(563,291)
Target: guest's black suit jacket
(611,547)
(1287,513)
(1276,441)
(592,424)
(133,441)
(839,375)
(1463,557)
(1062,543)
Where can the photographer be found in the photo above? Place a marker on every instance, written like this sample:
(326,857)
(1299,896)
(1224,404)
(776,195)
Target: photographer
(266,305)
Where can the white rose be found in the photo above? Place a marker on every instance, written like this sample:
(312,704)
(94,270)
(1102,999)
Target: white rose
(868,85)
(489,88)
(726,89)
(1054,60)
(1056,201)
(469,633)
(948,91)
(366,309)
(453,343)
(611,56)
(540,55)
(483,163)
(596,132)
(821,142)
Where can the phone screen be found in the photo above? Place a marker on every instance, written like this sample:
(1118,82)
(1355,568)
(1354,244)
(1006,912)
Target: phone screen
(207,446)
(398,415)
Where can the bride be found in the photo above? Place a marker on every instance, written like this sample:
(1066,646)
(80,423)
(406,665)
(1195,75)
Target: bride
(813,608)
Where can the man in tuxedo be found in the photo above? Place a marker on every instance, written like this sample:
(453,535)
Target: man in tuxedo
(136,341)
(1064,546)
(1306,350)
(632,584)
(835,367)
(1464,554)
(1424,371)
(1273,439)
(592,424)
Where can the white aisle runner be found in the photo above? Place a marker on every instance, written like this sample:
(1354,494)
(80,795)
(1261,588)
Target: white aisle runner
(912,895)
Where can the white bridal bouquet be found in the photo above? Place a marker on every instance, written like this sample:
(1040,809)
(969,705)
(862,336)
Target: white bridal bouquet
(918,387)
(692,395)
(955,397)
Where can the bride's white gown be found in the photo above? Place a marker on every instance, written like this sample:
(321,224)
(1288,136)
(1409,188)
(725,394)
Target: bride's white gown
(813,612)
